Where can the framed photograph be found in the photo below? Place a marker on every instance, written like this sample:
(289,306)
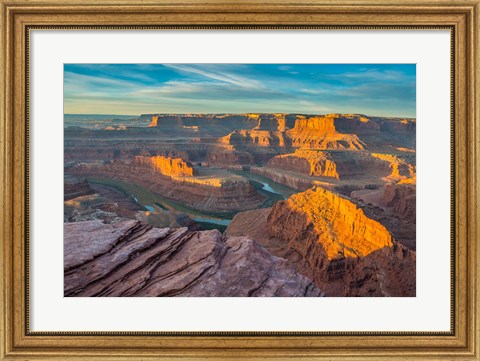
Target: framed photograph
(239,180)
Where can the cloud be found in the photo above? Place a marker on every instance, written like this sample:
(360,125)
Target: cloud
(143,88)
(211,73)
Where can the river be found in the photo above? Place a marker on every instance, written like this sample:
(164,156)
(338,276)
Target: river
(266,187)
(221,222)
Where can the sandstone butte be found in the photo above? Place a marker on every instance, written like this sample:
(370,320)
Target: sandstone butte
(310,162)
(129,258)
(338,225)
(400,169)
(328,239)
(172,167)
(154,121)
(321,132)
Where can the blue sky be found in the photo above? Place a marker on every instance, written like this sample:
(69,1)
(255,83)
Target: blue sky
(371,89)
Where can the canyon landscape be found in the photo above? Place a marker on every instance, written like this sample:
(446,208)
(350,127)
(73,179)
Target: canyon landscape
(288,204)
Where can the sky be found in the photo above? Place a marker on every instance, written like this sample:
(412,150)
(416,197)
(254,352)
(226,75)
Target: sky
(134,89)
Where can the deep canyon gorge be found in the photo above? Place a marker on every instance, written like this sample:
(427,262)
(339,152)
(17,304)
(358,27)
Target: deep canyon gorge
(266,204)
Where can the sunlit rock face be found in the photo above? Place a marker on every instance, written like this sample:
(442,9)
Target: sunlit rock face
(337,226)
(400,169)
(276,122)
(320,132)
(310,162)
(268,132)
(175,167)
(354,236)
(332,241)
(129,258)
(256,137)
(75,187)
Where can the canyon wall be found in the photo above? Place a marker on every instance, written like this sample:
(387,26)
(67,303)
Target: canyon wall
(309,162)
(332,241)
(133,259)
(75,187)
(171,167)
(335,225)
(206,193)
(286,178)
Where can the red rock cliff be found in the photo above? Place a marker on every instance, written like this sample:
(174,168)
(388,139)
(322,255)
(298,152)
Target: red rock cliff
(322,223)
(310,162)
(333,242)
(175,167)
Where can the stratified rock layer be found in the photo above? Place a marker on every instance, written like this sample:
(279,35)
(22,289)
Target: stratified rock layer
(330,240)
(338,227)
(208,193)
(171,167)
(74,187)
(133,259)
(309,162)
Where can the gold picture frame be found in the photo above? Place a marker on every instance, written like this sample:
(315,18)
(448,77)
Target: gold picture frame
(19,17)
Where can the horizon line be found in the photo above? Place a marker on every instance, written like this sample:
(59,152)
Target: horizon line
(238,113)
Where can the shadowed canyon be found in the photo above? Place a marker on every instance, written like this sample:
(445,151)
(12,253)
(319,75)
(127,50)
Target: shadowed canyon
(288,205)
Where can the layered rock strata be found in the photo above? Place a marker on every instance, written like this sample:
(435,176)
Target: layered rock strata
(332,241)
(75,187)
(394,205)
(321,133)
(170,167)
(309,162)
(208,193)
(132,259)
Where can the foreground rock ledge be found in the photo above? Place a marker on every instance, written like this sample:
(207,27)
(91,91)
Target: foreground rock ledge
(129,258)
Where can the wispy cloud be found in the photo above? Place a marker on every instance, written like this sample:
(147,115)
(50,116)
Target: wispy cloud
(141,88)
(221,76)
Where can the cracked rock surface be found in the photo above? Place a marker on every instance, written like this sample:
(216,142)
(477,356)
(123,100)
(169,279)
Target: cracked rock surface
(129,258)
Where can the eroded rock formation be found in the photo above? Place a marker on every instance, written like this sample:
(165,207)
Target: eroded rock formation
(170,167)
(75,187)
(333,242)
(338,226)
(310,162)
(211,192)
(321,133)
(394,205)
(132,259)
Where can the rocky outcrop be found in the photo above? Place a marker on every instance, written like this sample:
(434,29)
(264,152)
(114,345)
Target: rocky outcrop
(345,165)
(204,125)
(402,199)
(338,227)
(255,137)
(400,168)
(170,167)
(332,241)
(132,259)
(104,203)
(309,162)
(74,187)
(393,205)
(228,157)
(214,193)
(276,122)
(320,133)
